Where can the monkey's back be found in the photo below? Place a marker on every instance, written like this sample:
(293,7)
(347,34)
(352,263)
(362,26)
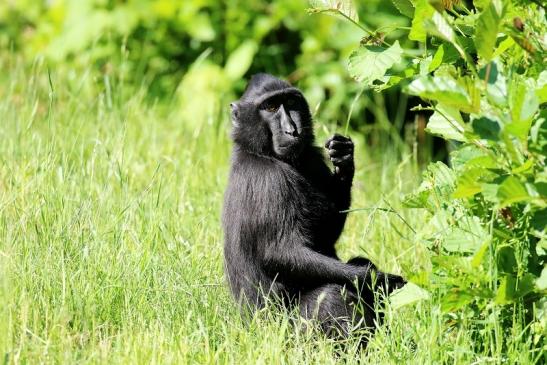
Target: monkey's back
(267,202)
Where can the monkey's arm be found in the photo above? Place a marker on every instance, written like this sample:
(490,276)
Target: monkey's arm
(298,264)
(340,151)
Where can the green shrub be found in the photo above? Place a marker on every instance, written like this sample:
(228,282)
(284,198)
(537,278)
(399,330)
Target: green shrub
(482,73)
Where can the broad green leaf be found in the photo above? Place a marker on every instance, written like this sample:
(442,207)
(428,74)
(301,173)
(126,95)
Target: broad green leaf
(445,126)
(409,294)
(512,191)
(523,104)
(424,65)
(490,192)
(441,175)
(471,182)
(240,60)
(505,259)
(467,237)
(405,7)
(460,157)
(423,12)
(370,63)
(541,89)
(438,26)
(486,128)
(496,83)
(418,199)
(539,220)
(437,59)
(438,179)
(456,299)
(443,89)
(512,288)
(458,240)
(504,46)
(486,31)
(344,7)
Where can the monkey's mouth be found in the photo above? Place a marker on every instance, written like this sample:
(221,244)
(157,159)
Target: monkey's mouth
(288,148)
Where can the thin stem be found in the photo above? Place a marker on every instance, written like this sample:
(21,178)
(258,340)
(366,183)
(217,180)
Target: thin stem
(354,22)
(388,210)
(357,96)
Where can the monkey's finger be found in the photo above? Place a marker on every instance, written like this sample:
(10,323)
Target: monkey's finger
(344,160)
(335,145)
(337,137)
(340,152)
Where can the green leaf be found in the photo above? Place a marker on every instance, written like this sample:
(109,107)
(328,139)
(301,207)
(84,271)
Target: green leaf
(505,259)
(469,183)
(405,7)
(467,237)
(479,256)
(455,300)
(370,63)
(240,60)
(541,89)
(539,220)
(416,199)
(438,26)
(344,7)
(511,289)
(443,125)
(437,59)
(458,240)
(523,104)
(504,46)
(409,294)
(486,31)
(541,282)
(512,191)
(460,157)
(486,128)
(423,12)
(438,179)
(443,89)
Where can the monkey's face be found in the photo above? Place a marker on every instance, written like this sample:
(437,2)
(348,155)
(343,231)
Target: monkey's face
(272,118)
(287,116)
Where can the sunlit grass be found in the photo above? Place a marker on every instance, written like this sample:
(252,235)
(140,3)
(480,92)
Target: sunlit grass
(111,246)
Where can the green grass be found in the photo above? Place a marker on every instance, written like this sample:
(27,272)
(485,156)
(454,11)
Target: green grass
(111,245)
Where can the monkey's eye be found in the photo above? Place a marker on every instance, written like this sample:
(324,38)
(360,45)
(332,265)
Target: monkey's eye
(271,106)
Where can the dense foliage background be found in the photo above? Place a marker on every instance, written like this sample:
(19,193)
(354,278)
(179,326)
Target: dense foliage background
(203,50)
(114,152)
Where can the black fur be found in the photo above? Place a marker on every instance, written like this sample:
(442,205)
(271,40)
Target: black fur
(282,212)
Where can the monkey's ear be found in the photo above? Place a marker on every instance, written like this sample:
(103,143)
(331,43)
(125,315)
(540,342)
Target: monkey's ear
(235,113)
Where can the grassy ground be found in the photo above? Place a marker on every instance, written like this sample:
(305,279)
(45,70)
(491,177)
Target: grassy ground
(111,247)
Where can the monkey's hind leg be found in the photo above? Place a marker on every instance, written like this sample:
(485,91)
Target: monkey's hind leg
(337,311)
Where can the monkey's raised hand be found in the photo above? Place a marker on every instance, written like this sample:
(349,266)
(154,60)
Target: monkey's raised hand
(340,150)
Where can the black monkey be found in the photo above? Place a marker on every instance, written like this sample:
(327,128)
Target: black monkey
(282,212)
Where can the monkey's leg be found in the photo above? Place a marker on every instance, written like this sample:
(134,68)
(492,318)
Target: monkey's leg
(336,310)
